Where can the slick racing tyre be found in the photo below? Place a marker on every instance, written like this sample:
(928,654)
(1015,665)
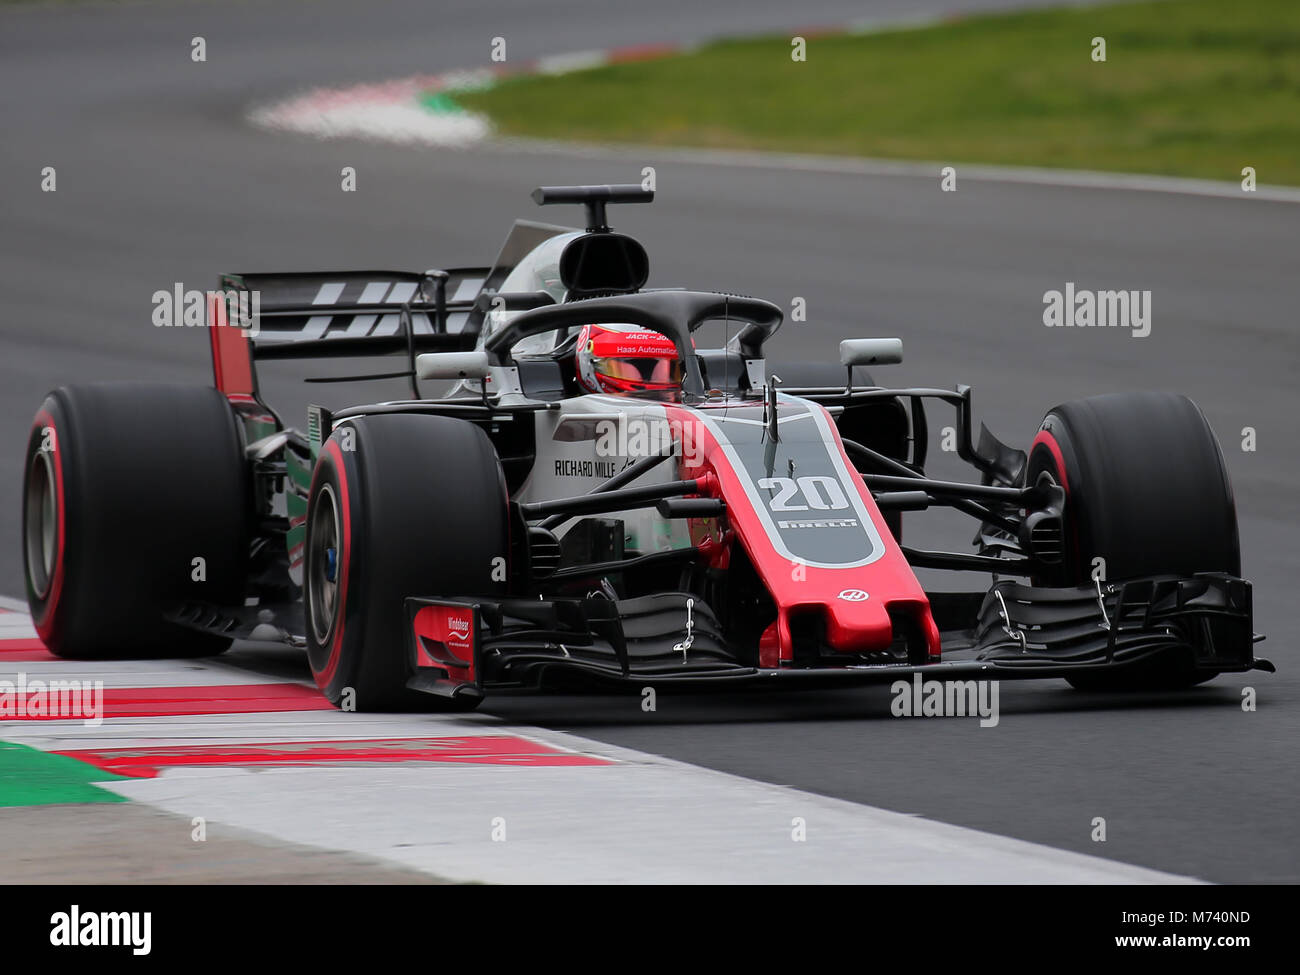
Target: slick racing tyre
(1147,492)
(135,501)
(401,505)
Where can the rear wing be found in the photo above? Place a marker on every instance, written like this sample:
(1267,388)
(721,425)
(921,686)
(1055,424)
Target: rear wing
(313,315)
(321,315)
(334,314)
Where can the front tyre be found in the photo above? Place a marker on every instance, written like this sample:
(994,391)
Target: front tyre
(401,505)
(1147,493)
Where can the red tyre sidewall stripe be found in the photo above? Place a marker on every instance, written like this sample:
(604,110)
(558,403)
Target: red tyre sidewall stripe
(326,675)
(45,619)
(1047,440)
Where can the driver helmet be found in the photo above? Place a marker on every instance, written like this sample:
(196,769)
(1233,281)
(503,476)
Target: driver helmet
(627,360)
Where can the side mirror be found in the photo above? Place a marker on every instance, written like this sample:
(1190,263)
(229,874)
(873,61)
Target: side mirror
(452,365)
(871,352)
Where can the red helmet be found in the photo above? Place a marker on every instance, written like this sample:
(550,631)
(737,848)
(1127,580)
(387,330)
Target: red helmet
(624,359)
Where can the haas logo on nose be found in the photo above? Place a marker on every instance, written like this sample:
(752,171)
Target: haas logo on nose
(852,595)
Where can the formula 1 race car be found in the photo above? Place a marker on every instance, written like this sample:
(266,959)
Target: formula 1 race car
(593,499)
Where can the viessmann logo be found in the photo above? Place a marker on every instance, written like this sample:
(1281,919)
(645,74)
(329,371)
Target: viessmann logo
(853,595)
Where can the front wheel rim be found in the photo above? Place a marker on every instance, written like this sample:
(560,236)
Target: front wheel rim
(41,523)
(323,564)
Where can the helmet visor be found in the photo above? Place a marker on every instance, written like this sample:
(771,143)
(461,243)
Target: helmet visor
(644,372)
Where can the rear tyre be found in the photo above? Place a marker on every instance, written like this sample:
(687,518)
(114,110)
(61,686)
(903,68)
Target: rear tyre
(401,505)
(126,485)
(1147,492)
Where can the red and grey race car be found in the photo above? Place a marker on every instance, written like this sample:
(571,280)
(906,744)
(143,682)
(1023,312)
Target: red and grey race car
(592,498)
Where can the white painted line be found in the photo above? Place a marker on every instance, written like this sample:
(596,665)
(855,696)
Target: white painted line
(647,820)
(575,61)
(644,819)
(383,118)
(121,675)
(218,729)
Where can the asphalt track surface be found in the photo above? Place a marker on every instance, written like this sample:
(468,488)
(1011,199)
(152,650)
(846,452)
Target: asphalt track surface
(160,181)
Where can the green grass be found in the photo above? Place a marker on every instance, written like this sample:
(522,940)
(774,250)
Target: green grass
(30,777)
(1189,88)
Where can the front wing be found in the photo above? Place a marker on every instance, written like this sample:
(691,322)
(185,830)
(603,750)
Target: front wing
(458,647)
